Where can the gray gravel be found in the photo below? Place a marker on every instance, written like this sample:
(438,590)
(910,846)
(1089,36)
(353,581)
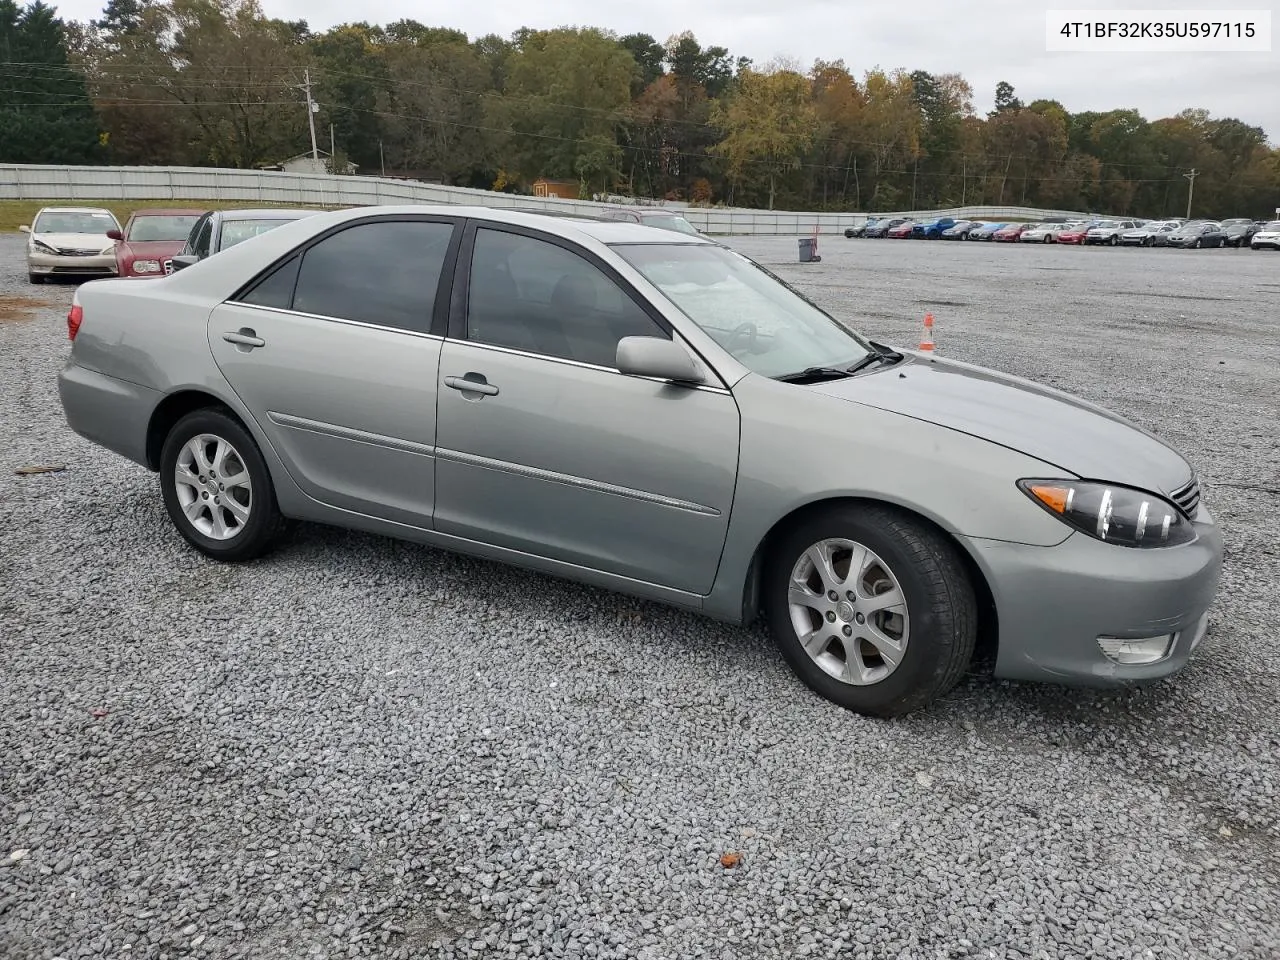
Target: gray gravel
(364,748)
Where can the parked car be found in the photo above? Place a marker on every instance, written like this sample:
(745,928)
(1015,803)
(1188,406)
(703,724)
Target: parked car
(219,230)
(294,370)
(70,242)
(1197,234)
(986,231)
(881,228)
(1011,232)
(1075,234)
(662,219)
(960,229)
(931,229)
(1146,234)
(1038,233)
(1239,231)
(1267,237)
(861,228)
(902,231)
(150,238)
(1108,232)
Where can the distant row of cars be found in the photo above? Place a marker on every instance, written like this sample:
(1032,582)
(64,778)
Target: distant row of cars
(88,242)
(1239,232)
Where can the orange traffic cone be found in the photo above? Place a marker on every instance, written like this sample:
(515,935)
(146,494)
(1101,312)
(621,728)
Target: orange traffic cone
(926,341)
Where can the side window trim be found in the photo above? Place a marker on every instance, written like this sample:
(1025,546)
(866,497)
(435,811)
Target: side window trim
(457,323)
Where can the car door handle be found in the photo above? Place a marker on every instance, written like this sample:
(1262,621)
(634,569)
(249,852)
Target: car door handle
(472,383)
(245,337)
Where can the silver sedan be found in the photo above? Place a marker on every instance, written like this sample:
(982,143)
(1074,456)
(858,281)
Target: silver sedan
(653,413)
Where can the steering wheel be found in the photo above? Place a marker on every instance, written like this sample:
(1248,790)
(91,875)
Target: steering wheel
(747,331)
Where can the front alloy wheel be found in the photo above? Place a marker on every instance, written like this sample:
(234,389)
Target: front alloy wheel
(872,608)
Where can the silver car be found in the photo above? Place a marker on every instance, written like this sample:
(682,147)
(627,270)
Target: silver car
(653,413)
(71,242)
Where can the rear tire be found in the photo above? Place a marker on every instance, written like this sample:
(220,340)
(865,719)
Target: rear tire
(839,656)
(231,521)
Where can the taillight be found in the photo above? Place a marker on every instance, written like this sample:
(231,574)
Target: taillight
(73,320)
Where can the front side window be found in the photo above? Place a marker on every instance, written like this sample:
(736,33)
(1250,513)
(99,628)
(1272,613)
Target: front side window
(533,295)
(204,235)
(765,324)
(384,272)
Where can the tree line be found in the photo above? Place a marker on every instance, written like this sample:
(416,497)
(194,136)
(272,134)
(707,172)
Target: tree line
(217,82)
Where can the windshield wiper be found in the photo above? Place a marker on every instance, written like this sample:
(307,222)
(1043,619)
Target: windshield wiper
(813,373)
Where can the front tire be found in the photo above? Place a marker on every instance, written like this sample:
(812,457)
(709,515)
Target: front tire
(901,629)
(217,488)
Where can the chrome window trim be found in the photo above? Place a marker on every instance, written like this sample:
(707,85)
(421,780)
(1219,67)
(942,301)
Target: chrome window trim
(343,320)
(705,388)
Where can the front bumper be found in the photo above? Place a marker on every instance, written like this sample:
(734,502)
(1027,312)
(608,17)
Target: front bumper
(1053,603)
(53,264)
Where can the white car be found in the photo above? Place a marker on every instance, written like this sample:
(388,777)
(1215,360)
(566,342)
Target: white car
(1045,232)
(1108,231)
(71,241)
(1268,237)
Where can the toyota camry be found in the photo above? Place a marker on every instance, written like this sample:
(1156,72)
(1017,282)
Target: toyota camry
(653,413)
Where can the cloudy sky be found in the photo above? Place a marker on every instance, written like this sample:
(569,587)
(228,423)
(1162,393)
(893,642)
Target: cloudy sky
(984,40)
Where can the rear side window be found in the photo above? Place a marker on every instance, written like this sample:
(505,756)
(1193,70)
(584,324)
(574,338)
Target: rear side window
(384,273)
(276,288)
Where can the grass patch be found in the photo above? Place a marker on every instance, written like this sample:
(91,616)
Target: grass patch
(15,308)
(14,213)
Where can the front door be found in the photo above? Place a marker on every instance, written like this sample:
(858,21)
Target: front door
(334,355)
(544,447)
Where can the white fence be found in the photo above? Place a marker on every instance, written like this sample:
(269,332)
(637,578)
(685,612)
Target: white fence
(74,183)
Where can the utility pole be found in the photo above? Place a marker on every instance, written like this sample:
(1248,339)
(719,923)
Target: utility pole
(382,159)
(312,109)
(1191,188)
(333,152)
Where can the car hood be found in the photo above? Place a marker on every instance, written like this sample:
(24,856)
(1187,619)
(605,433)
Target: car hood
(75,241)
(1060,429)
(152,248)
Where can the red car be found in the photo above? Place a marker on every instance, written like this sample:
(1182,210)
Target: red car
(1012,233)
(149,238)
(902,230)
(1074,234)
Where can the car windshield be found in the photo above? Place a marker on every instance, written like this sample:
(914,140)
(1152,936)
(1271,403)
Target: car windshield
(70,221)
(1237,222)
(764,323)
(238,231)
(157,227)
(1272,227)
(679,224)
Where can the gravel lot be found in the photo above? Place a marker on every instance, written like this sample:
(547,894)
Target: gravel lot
(364,748)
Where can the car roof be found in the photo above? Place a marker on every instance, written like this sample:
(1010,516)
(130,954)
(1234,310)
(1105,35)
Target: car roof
(169,212)
(267,213)
(75,210)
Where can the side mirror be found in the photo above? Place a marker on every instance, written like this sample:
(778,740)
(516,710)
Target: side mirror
(24,228)
(184,260)
(657,357)
(114,235)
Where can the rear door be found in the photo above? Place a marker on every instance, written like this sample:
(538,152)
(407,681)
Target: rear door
(335,352)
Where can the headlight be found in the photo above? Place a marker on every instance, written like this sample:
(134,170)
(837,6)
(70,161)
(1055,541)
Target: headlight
(105,250)
(146,266)
(1113,514)
(42,246)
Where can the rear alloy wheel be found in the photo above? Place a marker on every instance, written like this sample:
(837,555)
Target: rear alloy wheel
(217,488)
(872,609)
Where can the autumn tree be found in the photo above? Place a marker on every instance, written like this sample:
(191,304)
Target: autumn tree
(767,124)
